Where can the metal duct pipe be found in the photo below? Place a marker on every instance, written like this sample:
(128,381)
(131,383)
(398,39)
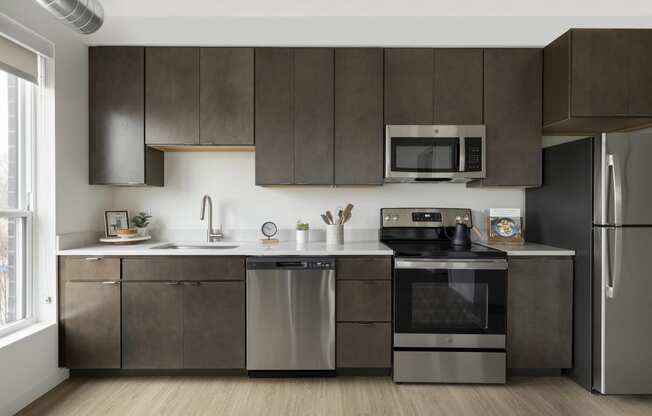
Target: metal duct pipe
(83,16)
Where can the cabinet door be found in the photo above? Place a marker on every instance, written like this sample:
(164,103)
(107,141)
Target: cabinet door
(364,301)
(172,96)
(90,318)
(273,117)
(512,114)
(152,325)
(409,85)
(226,106)
(639,74)
(364,345)
(214,325)
(458,86)
(117,100)
(598,73)
(358,116)
(313,116)
(539,305)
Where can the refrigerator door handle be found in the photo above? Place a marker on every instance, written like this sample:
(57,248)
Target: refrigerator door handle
(617,185)
(616,263)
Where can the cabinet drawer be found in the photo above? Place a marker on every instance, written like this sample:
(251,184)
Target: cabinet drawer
(89,268)
(364,301)
(364,267)
(363,345)
(184,268)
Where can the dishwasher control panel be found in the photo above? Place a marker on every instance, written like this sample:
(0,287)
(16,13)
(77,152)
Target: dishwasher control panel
(291,263)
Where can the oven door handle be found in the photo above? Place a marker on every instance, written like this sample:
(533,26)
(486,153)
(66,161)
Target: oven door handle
(451,264)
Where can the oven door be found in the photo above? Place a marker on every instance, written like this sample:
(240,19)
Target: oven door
(450,303)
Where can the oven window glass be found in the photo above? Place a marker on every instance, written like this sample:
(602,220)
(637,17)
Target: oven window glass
(454,305)
(450,301)
(423,154)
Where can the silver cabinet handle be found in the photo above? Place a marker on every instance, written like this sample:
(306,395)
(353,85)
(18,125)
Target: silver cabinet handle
(111,282)
(93,258)
(172,283)
(192,283)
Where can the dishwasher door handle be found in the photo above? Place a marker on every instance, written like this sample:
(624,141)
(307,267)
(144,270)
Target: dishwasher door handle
(291,264)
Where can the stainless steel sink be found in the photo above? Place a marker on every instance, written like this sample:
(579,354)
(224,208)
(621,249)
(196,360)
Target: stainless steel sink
(180,246)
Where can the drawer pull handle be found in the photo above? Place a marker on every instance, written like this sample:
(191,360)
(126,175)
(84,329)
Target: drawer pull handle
(193,283)
(111,282)
(172,283)
(93,258)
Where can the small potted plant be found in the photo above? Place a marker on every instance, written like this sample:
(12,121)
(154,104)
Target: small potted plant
(303,229)
(141,221)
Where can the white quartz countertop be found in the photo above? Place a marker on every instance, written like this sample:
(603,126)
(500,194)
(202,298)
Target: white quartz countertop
(530,249)
(358,248)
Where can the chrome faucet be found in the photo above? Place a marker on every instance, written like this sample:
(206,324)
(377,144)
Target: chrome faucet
(211,234)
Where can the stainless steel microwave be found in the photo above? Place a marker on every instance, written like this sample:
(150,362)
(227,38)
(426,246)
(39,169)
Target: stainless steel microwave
(434,153)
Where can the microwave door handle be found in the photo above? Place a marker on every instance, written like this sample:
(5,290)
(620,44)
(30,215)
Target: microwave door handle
(462,153)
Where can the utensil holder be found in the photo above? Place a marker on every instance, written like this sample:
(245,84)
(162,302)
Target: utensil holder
(334,234)
(303,236)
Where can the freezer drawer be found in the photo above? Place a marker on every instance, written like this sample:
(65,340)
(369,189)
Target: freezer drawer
(450,367)
(622,286)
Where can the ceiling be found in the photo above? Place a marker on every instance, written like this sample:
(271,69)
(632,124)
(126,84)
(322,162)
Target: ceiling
(261,8)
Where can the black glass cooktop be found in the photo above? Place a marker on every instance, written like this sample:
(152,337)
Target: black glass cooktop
(442,249)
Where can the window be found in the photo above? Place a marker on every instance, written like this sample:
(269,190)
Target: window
(17,129)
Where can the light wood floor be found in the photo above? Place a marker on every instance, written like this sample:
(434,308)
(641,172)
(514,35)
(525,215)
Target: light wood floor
(331,396)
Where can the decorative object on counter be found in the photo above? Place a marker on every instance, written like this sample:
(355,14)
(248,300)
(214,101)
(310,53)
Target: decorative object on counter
(303,232)
(127,232)
(115,220)
(505,226)
(334,234)
(141,221)
(125,240)
(269,230)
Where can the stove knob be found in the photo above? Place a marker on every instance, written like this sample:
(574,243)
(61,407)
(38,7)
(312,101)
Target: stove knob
(386,218)
(394,217)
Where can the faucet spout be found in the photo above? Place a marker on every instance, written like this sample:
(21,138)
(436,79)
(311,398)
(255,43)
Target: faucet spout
(211,234)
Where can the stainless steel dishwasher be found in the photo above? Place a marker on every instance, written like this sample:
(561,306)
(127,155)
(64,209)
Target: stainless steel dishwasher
(290,314)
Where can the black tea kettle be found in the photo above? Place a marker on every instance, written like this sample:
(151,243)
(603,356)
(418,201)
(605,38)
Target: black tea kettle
(462,236)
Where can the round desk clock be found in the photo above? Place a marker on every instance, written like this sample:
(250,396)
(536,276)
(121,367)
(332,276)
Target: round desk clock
(269,230)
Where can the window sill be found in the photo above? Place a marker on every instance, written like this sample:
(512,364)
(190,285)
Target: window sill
(20,334)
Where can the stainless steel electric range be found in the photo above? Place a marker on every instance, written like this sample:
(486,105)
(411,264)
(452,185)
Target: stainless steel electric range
(449,301)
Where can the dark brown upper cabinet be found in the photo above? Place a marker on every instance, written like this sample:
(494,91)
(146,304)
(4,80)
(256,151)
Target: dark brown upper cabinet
(294,116)
(273,117)
(118,155)
(409,86)
(358,116)
(512,115)
(172,96)
(597,80)
(433,86)
(226,98)
(458,86)
(313,115)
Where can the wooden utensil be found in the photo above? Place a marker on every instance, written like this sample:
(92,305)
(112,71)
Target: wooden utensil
(347,213)
(330,217)
(325,218)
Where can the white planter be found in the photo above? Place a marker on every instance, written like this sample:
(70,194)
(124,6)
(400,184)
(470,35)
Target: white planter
(143,232)
(334,234)
(303,236)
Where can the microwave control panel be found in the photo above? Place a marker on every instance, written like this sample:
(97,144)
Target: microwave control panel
(473,150)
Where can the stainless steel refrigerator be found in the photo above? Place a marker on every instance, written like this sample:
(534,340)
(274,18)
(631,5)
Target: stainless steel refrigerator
(596,198)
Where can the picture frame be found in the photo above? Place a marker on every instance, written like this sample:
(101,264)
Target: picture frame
(505,226)
(115,220)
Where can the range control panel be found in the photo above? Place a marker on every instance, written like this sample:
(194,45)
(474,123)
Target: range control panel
(424,217)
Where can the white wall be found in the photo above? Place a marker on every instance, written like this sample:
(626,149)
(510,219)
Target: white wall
(239,204)
(65,203)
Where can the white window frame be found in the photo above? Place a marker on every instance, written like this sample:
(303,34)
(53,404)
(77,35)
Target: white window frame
(26,204)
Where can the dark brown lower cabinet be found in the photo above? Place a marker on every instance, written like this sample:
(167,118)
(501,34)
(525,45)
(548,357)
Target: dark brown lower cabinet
(90,320)
(214,325)
(540,313)
(364,345)
(152,325)
(364,301)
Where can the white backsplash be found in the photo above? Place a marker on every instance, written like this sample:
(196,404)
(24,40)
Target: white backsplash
(242,207)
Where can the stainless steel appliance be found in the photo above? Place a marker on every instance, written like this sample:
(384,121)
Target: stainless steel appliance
(449,301)
(290,314)
(597,199)
(434,153)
